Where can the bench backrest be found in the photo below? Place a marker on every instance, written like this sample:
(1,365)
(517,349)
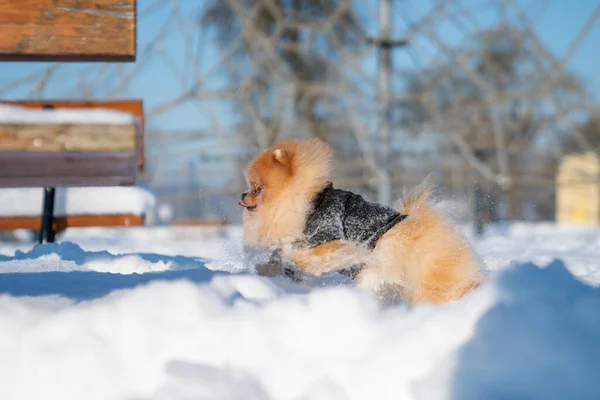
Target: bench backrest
(68,30)
(67,153)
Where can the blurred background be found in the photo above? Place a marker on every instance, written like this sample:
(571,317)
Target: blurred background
(498,99)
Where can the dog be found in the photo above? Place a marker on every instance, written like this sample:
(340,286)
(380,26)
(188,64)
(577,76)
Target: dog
(411,253)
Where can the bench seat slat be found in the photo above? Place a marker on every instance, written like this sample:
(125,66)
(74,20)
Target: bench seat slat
(74,181)
(72,221)
(69,137)
(24,169)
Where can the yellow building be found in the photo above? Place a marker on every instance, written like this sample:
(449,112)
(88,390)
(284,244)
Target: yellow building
(578,189)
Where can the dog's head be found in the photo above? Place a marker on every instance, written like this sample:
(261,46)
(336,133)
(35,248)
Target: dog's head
(281,181)
(266,176)
(301,165)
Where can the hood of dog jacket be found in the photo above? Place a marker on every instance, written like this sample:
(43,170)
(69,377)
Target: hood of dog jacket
(342,215)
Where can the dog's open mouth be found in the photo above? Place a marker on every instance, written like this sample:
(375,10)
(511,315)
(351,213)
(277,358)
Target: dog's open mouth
(246,206)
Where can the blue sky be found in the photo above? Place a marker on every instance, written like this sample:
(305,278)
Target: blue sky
(558,25)
(558,28)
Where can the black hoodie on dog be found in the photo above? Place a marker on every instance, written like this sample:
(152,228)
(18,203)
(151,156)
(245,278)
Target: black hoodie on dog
(342,215)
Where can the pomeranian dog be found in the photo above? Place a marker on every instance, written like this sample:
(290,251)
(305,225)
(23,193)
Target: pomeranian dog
(412,253)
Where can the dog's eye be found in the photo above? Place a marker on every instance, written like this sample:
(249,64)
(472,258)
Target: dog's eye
(259,189)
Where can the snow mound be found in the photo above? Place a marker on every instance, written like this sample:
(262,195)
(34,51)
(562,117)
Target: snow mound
(67,270)
(540,340)
(179,330)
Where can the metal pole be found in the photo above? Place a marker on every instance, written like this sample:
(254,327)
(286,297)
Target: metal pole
(384,189)
(47,231)
(479,198)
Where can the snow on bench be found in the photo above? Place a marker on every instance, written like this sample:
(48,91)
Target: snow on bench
(20,114)
(78,200)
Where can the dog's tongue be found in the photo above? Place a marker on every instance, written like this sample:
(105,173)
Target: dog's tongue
(241,203)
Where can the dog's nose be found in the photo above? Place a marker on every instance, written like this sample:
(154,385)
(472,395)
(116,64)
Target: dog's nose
(244,195)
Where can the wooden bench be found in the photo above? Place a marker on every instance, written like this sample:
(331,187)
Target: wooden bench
(49,144)
(42,154)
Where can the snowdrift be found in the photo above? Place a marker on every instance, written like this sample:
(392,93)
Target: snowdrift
(96,324)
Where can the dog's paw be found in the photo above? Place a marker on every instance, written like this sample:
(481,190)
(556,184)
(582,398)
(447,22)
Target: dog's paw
(273,269)
(269,269)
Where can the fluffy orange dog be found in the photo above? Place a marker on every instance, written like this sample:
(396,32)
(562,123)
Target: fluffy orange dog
(412,253)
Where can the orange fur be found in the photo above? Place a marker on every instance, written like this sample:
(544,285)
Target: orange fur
(327,257)
(422,259)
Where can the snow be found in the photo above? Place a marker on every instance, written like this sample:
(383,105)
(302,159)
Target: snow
(78,201)
(178,313)
(10,114)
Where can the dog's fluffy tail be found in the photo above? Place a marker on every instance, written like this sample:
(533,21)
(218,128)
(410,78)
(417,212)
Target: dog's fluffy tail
(417,198)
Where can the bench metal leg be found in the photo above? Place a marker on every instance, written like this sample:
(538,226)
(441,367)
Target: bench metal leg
(47,231)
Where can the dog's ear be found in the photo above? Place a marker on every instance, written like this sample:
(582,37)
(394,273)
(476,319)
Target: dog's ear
(281,156)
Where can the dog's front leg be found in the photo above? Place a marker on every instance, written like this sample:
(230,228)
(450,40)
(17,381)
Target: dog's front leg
(327,257)
(275,266)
